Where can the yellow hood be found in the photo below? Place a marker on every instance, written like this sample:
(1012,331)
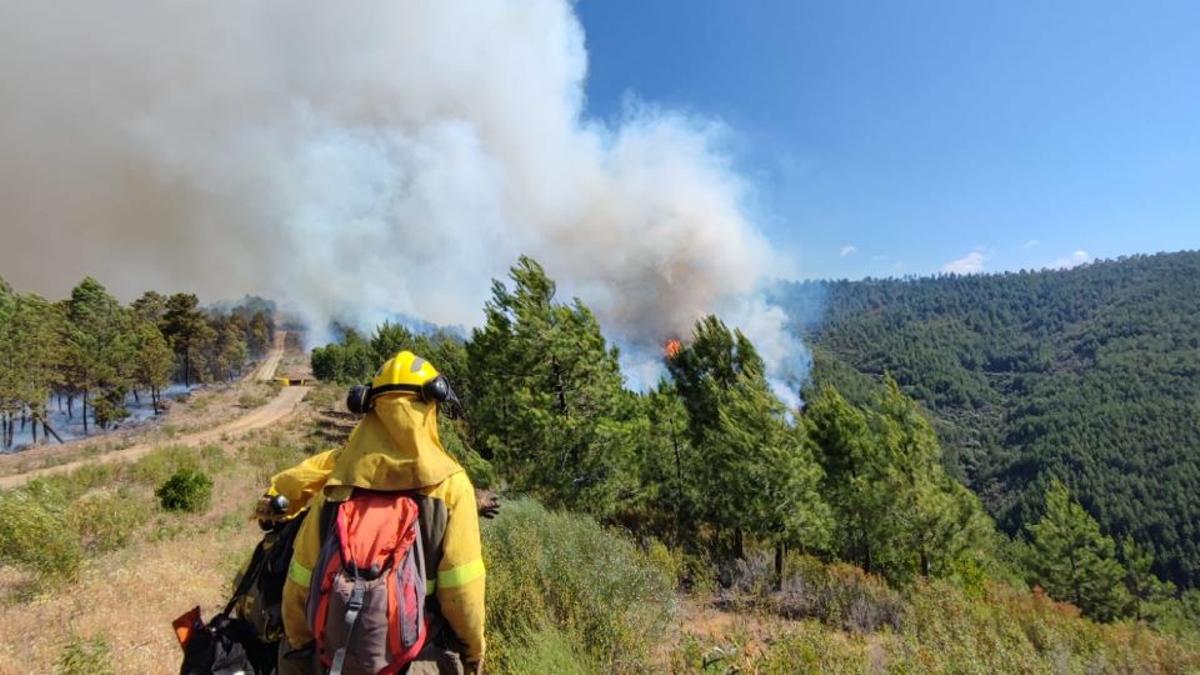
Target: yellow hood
(395,447)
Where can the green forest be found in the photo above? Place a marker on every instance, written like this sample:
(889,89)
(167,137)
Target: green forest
(712,465)
(1089,377)
(91,350)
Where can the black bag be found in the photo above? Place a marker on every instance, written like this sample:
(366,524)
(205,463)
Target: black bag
(229,644)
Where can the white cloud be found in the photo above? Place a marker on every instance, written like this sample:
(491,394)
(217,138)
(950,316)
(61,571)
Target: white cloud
(848,249)
(1031,243)
(1068,261)
(971,263)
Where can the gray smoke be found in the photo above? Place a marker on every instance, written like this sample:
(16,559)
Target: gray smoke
(358,160)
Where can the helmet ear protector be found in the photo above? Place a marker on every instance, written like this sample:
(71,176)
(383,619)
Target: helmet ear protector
(361,398)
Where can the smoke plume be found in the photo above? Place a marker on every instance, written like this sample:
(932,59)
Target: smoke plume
(358,160)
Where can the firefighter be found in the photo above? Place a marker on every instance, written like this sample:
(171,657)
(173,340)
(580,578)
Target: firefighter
(395,448)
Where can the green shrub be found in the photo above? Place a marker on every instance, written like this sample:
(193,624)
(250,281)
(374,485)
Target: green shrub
(106,521)
(1178,616)
(546,651)
(85,657)
(35,535)
(187,490)
(597,594)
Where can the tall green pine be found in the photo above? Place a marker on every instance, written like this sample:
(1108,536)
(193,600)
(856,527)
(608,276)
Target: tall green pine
(1073,560)
(547,397)
(754,473)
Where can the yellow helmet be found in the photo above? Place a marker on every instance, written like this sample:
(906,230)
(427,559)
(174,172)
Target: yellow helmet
(404,368)
(403,372)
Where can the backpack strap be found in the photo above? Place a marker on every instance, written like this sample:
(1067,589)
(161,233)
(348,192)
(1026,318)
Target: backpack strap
(353,608)
(328,514)
(252,571)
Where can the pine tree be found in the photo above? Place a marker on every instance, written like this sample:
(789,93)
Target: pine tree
(941,519)
(390,338)
(184,327)
(1146,590)
(898,512)
(150,307)
(8,361)
(854,480)
(261,333)
(154,361)
(1073,560)
(756,475)
(547,397)
(764,473)
(38,325)
(228,352)
(668,498)
(98,350)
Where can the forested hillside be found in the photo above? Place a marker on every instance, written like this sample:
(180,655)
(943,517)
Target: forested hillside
(1090,376)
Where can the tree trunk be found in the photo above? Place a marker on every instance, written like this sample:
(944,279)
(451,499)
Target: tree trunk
(154,399)
(136,399)
(50,432)
(924,563)
(739,548)
(85,424)
(187,367)
(33,430)
(70,406)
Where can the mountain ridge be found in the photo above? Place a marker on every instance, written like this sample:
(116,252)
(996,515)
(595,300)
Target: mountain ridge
(1090,375)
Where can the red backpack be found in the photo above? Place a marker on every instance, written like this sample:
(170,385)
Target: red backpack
(366,600)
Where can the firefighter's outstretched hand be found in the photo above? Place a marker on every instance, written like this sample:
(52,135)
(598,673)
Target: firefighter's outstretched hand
(270,509)
(488,503)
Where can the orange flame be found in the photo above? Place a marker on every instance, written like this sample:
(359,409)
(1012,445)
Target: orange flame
(672,347)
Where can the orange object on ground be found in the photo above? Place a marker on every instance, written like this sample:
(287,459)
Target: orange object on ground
(187,625)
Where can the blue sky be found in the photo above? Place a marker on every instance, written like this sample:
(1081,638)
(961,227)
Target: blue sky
(889,138)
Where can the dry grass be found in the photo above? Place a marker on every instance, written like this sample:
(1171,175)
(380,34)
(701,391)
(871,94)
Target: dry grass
(131,596)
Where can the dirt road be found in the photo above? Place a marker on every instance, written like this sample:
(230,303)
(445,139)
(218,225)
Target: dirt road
(266,370)
(278,408)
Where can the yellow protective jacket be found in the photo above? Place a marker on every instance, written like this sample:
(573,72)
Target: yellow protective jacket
(395,447)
